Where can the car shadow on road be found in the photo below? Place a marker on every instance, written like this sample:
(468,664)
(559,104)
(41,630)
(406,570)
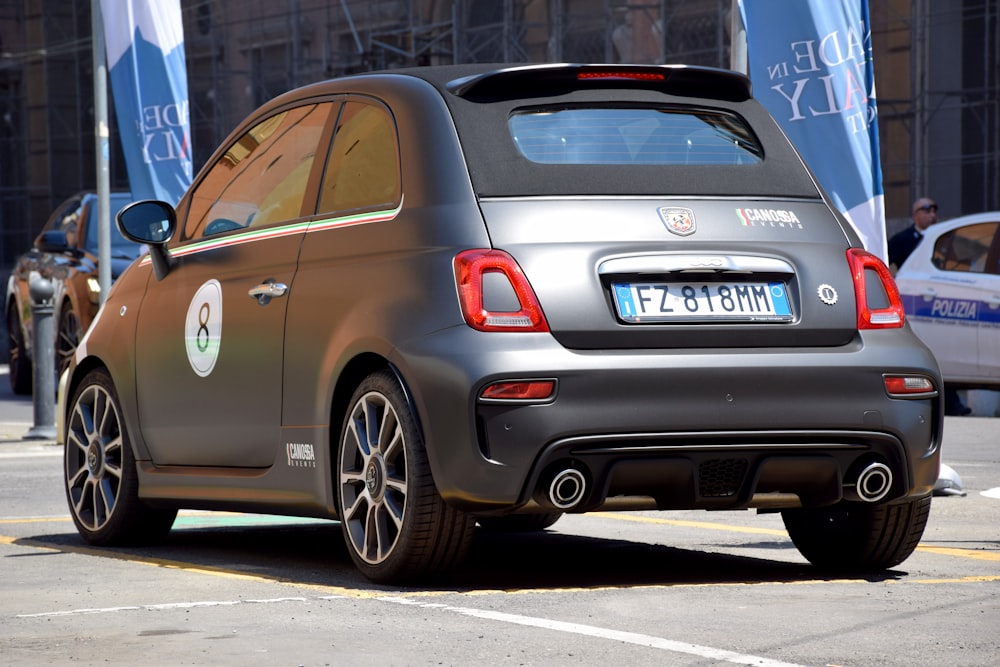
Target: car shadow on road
(315,554)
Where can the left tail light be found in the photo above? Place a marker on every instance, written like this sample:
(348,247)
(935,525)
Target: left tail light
(470,268)
(875,292)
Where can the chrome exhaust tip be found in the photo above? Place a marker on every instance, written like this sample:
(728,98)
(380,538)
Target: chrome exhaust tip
(874,482)
(566,489)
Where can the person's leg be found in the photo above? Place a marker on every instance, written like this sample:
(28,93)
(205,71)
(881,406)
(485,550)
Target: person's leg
(953,405)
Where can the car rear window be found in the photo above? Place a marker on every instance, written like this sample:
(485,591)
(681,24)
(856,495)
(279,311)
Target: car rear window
(638,136)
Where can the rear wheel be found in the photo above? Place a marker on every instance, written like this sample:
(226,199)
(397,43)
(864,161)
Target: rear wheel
(102,484)
(519,523)
(397,527)
(18,363)
(858,537)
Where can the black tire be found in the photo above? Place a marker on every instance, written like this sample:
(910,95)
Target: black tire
(18,362)
(853,537)
(396,525)
(102,483)
(68,337)
(519,523)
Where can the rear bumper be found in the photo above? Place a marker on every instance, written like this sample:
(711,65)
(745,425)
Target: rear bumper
(683,429)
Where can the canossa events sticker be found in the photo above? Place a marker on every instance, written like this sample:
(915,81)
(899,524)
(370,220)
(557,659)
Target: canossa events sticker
(203,328)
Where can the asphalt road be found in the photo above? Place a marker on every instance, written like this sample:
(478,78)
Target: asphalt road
(683,588)
(16,412)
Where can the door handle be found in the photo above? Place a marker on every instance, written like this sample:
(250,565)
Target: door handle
(267,291)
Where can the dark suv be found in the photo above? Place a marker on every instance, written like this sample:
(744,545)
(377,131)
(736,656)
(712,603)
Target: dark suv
(420,300)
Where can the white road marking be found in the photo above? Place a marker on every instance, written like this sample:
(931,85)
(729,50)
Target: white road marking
(29,455)
(991,493)
(596,632)
(601,633)
(159,607)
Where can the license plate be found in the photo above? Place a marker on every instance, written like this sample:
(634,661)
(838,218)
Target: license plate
(660,302)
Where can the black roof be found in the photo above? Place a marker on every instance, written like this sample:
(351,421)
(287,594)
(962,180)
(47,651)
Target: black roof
(481,97)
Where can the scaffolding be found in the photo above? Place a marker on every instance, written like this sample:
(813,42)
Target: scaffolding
(937,72)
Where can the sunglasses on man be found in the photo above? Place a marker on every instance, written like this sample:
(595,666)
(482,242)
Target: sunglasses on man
(928,208)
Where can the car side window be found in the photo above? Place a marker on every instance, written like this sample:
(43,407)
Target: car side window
(966,248)
(70,225)
(262,177)
(362,170)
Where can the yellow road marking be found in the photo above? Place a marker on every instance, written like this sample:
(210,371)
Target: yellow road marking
(705,525)
(960,553)
(691,524)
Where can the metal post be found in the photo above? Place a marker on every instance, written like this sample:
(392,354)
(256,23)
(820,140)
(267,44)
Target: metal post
(43,341)
(101,136)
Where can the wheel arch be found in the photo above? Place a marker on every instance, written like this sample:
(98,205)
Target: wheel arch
(356,370)
(79,371)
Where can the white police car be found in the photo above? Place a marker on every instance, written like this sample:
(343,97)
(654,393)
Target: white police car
(950,287)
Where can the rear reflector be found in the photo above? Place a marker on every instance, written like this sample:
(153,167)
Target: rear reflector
(909,386)
(470,266)
(872,313)
(519,390)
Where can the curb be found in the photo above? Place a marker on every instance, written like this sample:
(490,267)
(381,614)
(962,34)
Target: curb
(13,433)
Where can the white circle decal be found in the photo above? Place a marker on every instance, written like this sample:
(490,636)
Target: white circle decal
(203,328)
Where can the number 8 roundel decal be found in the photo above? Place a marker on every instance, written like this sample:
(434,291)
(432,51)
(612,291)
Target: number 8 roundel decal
(203,328)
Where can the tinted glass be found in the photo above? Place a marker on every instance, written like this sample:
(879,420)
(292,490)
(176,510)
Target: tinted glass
(633,136)
(363,168)
(966,248)
(262,177)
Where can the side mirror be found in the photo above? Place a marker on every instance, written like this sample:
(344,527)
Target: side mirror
(153,223)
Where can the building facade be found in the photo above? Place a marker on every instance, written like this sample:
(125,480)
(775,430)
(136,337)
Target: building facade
(937,77)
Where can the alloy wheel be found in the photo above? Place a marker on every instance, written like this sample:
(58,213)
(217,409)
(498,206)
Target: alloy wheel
(373,478)
(94,457)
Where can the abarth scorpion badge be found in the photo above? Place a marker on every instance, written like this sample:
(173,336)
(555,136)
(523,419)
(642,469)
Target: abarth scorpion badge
(678,220)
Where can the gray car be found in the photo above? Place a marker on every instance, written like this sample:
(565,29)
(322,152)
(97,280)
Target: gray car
(422,300)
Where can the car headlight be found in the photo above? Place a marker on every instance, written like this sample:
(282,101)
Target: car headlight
(94,289)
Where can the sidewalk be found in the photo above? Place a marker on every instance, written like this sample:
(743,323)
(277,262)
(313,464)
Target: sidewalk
(14,432)
(17,415)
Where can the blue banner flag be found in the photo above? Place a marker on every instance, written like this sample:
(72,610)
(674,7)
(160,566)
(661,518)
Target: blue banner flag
(147,69)
(811,66)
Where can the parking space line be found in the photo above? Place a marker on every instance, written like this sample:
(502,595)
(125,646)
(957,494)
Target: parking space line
(975,554)
(598,632)
(691,524)
(593,631)
(960,553)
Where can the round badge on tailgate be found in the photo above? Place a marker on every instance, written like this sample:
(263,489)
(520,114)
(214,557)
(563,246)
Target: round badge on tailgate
(678,220)
(203,328)
(827,294)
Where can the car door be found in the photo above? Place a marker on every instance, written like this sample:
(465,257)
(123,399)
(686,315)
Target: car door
(950,298)
(210,334)
(989,329)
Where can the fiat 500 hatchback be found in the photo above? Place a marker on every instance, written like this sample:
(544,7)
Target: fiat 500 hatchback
(422,300)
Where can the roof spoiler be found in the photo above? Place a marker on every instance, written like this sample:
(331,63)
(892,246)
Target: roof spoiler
(558,78)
